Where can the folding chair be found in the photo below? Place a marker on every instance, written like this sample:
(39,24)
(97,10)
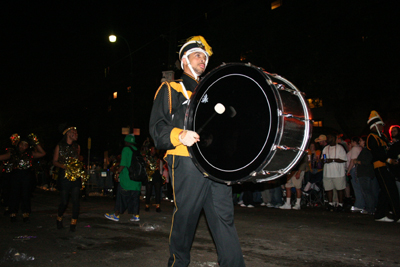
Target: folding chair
(314,197)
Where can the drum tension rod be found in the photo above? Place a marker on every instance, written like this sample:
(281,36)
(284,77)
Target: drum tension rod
(294,117)
(282,87)
(288,148)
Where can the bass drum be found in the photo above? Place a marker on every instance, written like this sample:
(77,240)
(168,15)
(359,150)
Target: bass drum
(253,125)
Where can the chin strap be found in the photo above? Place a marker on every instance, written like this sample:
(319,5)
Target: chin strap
(190,67)
(186,55)
(377,130)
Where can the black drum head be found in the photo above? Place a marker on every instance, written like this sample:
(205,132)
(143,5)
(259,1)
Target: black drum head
(234,110)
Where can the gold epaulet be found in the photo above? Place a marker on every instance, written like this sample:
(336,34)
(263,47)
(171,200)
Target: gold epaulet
(379,141)
(368,139)
(172,84)
(169,95)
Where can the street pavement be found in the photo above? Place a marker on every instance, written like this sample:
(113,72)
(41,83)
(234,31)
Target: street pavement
(269,237)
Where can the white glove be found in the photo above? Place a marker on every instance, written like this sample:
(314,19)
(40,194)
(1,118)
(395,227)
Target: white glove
(188,138)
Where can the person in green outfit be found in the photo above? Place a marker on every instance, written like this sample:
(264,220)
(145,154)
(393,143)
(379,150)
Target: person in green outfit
(128,196)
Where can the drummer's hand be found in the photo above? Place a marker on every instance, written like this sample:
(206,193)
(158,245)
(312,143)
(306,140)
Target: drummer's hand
(188,138)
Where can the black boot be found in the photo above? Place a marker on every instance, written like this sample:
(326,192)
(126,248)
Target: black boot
(25,217)
(59,223)
(72,227)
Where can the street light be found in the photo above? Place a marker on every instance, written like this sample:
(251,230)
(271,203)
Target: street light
(113,38)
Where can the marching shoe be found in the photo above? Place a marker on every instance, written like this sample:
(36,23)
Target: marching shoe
(384,219)
(59,223)
(72,227)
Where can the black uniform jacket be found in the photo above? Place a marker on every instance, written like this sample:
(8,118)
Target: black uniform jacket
(378,146)
(168,114)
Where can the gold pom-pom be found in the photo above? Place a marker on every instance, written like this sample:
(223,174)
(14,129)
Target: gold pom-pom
(15,139)
(34,138)
(75,169)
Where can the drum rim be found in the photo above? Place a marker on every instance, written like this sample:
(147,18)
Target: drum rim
(306,136)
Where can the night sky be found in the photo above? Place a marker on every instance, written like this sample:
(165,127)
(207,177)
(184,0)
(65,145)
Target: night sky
(55,55)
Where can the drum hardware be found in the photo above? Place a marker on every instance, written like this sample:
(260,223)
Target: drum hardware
(280,87)
(283,88)
(294,117)
(289,148)
(264,172)
(269,172)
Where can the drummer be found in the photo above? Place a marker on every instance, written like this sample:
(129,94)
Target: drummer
(192,191)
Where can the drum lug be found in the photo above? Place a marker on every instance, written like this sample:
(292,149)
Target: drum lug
(294,117)
(283,147)
(282,87)
(253,174)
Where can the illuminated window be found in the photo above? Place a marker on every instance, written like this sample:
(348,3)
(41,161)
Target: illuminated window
(317,123)
(128,89)
(115,95)
(136,131)
(314,102)
(276,4)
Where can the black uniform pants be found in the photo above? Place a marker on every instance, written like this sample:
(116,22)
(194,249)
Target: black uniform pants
(68,188)
(192,194)
(157,184)
(21,191)
(388,195)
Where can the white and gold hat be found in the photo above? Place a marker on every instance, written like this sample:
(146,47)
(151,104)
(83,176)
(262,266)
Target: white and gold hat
(195,44)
